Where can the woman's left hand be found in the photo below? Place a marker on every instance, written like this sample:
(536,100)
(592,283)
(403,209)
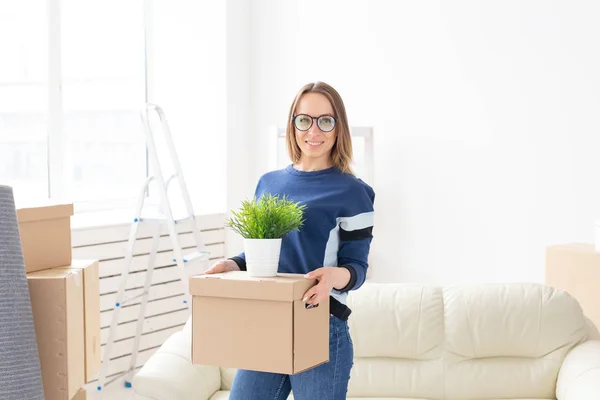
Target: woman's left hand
(327,278)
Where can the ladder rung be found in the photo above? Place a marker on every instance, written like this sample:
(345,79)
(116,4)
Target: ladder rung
(156,213)
(197,255)
(184,219)
(129,300)
(175,175)
(159,217)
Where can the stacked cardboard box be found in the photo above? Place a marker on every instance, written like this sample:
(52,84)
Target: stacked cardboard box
(65,299)
(45,236)
(575,268)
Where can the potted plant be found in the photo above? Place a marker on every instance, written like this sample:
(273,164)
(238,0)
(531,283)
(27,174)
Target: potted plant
(262,224)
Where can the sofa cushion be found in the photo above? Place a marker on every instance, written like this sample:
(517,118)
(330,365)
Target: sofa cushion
(220,395)
(508,341)
(398,336)
(397,378)
(404,321)
(524,321)
(167,372)
(227,376)
(224,395)
(461,342)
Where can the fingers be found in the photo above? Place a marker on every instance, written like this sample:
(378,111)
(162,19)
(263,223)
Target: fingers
(315,295)
(319,292)
(309,294)
(316,274)
(211,270)
(222,266)
(317,299)
(216,268)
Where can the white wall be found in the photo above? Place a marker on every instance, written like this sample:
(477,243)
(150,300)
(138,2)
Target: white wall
(238,112)
(486,122)
(187,78)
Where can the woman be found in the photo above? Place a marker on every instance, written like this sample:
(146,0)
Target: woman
(332,246)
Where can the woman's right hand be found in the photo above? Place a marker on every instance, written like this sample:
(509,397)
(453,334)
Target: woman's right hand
(222,266)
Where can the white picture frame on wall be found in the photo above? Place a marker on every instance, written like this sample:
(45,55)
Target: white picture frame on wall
(362,143)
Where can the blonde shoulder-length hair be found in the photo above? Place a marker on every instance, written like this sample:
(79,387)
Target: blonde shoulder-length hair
(341,153)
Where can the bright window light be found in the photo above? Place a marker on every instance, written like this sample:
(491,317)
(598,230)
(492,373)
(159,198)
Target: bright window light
(103,76)
(23,98)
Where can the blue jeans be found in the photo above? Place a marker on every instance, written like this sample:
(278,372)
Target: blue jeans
(327,381)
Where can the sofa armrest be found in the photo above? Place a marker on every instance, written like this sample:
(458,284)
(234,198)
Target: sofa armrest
(170,375)
(579,375)
(592,330)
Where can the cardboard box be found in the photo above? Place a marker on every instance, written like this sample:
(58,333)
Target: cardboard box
(81,395)
(91,305)
(259,324)
(575,268)
(57,305)
(45,236)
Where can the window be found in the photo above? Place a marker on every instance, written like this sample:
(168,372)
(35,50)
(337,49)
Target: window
(103,86)
(23,98)
(72,81)
(69,93)
(75,74)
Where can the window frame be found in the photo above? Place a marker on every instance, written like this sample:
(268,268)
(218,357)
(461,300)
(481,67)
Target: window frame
(59,184)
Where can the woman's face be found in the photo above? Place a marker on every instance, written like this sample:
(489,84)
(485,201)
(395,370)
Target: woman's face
(314,143)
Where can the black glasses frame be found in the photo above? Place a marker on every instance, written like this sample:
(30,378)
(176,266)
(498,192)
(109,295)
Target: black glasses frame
(312,120)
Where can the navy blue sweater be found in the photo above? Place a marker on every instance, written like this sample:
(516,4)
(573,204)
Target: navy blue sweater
(338,222)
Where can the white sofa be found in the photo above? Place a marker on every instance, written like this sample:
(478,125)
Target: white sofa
(412,342)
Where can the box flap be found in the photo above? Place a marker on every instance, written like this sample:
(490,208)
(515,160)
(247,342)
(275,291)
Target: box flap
(50,211)
(584,248)
(52,273)
(239,285)
(79,264)
(83,264)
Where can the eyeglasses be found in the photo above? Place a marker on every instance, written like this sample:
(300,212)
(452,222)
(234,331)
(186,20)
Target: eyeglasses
(303,122)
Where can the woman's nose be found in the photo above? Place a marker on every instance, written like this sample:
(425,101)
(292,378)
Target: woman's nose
(314,130)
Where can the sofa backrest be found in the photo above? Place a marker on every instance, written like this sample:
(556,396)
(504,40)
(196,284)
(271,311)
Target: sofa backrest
(398,336)
(485,341)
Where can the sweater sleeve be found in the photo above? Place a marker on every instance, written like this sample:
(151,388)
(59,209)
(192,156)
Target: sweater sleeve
(356,234)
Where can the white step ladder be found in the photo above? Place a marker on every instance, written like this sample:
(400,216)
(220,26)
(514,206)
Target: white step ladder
(157,219)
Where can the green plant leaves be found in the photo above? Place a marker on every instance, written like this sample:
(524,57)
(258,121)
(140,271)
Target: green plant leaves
(270,217)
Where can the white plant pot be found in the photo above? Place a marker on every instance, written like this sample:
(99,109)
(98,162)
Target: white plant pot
(262,256)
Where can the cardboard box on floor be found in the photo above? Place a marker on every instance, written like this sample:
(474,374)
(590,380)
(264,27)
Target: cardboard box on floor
(45,236)
(81,395)
(57,302)
(259,324)
(575,268)
(91,305)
